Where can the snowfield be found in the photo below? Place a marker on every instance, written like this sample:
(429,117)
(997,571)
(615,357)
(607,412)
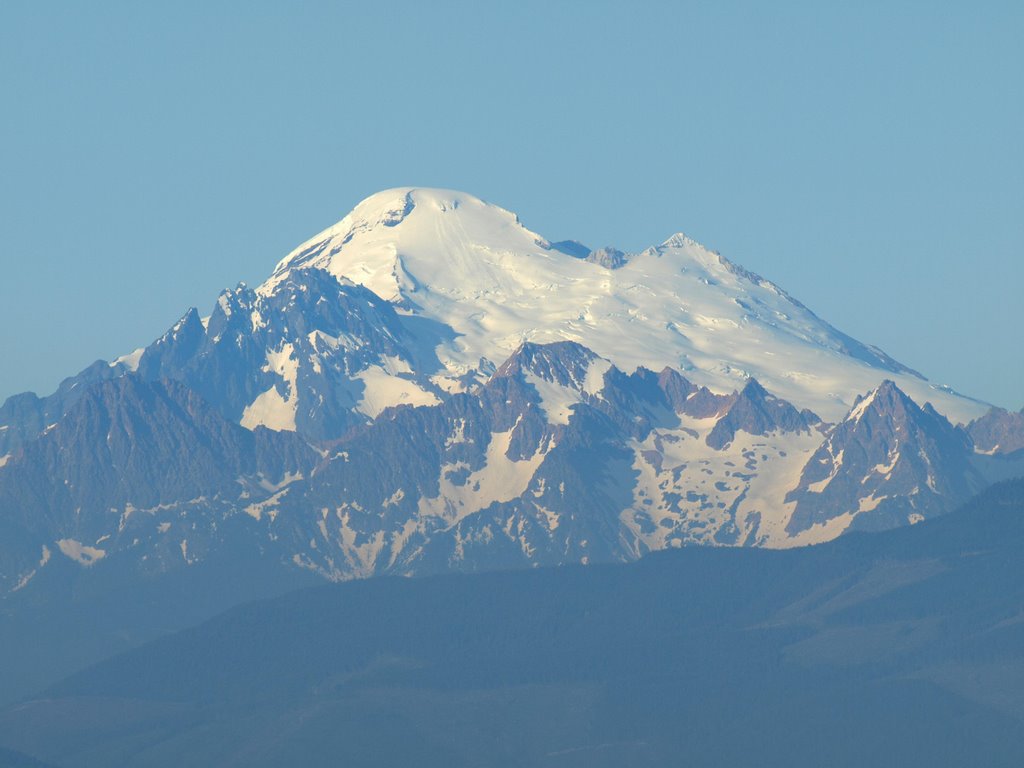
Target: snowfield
(473,267)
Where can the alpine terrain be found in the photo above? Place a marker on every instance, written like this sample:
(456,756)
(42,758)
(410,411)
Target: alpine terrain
(427,386)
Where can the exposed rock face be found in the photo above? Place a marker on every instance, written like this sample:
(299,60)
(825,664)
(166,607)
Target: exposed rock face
(559,457)
(137,459)
(418,293)
(318,356)
(758,413)
(564,363)
(24,417)
(422,387)
(429,386)
(889,463)
(608,257)
(167,506)
(895,638)
(300,359)
(998,431)
(537,466)
(572,248)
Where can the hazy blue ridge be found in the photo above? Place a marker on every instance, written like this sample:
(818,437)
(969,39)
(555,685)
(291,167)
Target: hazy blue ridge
(897,648)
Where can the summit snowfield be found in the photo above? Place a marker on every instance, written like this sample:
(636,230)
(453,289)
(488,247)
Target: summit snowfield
(450,259)
(419,293)
(429,386)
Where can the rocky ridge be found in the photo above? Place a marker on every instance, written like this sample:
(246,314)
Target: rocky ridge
(429,385)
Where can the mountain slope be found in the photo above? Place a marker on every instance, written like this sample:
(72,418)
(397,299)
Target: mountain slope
(998,431)
(428,386)
(559,457)
(140,466)
(889,463)
(472,267)
(434,289)
(887,649)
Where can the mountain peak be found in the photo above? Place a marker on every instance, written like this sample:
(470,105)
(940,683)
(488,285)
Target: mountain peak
(442,229)
(753,390)
(682,240)
(899,462)
(998,431)
(390,208)
(887,398)
(757,412)
(479,283)
(562,362)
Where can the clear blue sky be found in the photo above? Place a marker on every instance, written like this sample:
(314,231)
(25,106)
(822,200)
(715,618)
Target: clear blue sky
(866,156)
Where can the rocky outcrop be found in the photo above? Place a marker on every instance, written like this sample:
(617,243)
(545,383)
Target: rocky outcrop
(889,463)
(130,458)
(998,432)
(756,412)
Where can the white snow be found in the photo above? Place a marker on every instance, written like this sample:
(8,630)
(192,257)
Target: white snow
(130,361)
(361,557)
(551,518)
(593,382)
(79,552)
(837,463)
(557,401)
(385,388)
(458,435)
(287,479)
(691,495)
(472,266)
(271,409)
(401,538)
(500,479)
(870,502)
(284,363)
(861,408)
(886,469)
(26,578)
(268,506)
(821,532)
(393,500)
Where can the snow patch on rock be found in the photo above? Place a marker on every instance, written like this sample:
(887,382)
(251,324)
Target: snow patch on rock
(79,552)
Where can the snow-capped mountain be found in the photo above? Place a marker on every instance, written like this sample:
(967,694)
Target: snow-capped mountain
(447,258)
(435,289)
(429,385)
(879,455)
(316,356)
(998,432)
(147,468)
